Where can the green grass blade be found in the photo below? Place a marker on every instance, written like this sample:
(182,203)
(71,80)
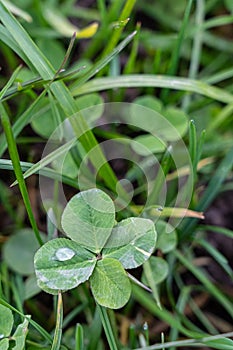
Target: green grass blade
(26,44)
(95,331)
(210,193)
(225,113)
(113,40)
(146,301)
(18,171)
(218,21)
(79,338)
(6,164)
(39,83)
(197,40)
(9,83)
(206,282)
(17,11)
(196,343)
(219,257)
(61,92)
(108,14)
(196,48)
(9,40)
(164,168)
(200,314)
(74,313)
(58,329)
(172,69)
(104,61)
(219,76)
(193,144)
(158,81)
(181,303)
(217,229)
(58,152)
(131,62)
(107,328)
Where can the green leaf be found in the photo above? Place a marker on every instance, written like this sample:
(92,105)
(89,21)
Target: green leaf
(4,344)
(88,219)
(155,271)
(178,119)
(44,121)
(53,50)
(110,284)
(151,121)
(168,123)
(167,236)
(20,335)
(146,144)
(25,242)
(31,287)
(6,322)
(149,102)
(66,166)
(61,264)
(92,107)
(133,240)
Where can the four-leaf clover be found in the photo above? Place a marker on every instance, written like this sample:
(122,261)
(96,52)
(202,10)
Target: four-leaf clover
(98,250)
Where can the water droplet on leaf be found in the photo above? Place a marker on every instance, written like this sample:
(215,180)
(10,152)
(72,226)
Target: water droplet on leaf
(64,254)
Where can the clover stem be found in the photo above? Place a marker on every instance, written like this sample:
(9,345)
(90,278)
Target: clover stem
(107,327)
(58,329)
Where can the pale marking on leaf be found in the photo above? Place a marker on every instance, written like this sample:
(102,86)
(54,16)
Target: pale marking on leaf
(143,252)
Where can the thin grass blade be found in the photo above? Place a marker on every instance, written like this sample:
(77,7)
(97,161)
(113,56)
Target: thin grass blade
(107,328)
(18,171)
(48,159)
(127,9)
(10,82)
(146,301)
(61,92)
(210,193)
(6,164)
(159,81)
(222,299)
(79,338)
(176,52)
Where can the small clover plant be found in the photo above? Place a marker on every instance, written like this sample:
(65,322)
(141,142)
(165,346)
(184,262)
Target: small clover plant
(15,341)
(99,250)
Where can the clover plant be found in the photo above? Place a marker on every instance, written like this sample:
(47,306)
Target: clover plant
(16,340)
(98,249)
